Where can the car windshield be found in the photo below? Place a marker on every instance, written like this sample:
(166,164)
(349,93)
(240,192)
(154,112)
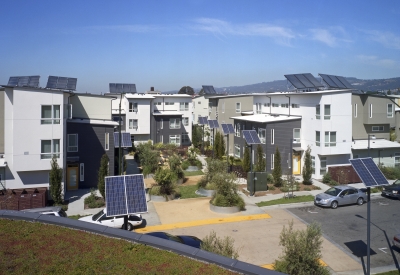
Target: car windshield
(95,217)
(333,191)
(397,183)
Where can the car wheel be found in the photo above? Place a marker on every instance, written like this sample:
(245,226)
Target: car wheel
(130,227)
(334,204)
(360,201)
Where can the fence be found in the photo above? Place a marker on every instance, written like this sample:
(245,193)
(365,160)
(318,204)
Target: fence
(20,199)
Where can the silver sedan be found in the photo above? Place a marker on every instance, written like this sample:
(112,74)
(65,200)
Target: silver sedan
(340,195)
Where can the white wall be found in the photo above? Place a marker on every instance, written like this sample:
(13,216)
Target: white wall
(142,115)
(200,108)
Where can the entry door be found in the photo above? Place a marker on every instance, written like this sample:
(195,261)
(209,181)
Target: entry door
(296,164)
(72,178)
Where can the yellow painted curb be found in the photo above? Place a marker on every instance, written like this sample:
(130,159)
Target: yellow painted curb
(271,266)
(321,262)
(202,222)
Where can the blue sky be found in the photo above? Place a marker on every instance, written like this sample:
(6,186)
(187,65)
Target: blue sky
(170,44)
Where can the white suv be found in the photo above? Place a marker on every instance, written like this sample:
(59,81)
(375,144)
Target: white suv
(50,210)
(116,222)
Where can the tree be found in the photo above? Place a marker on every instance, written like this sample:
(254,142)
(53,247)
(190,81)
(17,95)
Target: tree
(224,247)
(307,169)
(277,172)
(246,160)
(301,251)
(186,90)
(221,149)
(197,135)
(103,172)
(217,144)
(261,163)
(56,175)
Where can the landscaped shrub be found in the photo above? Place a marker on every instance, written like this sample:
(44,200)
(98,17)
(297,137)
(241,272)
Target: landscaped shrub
(226,191)
(326,178)
(270,178)
(165,178)
(307,189)
(333,183)
(391,173)
(93,201)
(271,187)
(199,164)
(224,247)
(284,189)
(155,190)
(185,164)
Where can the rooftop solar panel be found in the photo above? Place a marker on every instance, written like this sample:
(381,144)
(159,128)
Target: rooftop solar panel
(135,194)
(374,171)
(28,81)
(337,82)
(115,196)
(328,80)
(209,90)
(313,80)
(305,81)
(23,81)
(345,82)
(363,172)
(295,82)
(122,88)
(227,128)
(334,81)
(62,83)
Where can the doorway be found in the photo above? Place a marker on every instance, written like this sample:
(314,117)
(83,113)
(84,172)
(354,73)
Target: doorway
(296,164)
(72,177)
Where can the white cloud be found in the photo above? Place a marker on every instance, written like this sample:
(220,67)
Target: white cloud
(323,36)
(374,60)
(222,28)
(387,39)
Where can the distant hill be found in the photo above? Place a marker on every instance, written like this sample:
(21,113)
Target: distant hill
(282,85)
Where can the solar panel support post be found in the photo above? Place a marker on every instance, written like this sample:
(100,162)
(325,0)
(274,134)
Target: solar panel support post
(213,143)
(125,222)
(202,144)
(227,151)
(120,139)
(369,231)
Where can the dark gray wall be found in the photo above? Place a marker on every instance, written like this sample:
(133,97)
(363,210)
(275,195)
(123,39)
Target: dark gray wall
(283,134)
(91,144)
(156,132)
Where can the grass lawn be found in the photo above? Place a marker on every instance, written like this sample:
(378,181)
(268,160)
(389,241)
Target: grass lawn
(36,248)
(188,191)
(76,217)
(193,173)
(286,201)
(393,272)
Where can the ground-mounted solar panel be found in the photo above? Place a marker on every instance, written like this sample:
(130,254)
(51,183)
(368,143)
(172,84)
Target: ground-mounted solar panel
(313,80)
(115,196)
(116,139)
(363,172)
(203,120)
(209,90)
(61,83)
(126,140)
(375,172)
(212,123)
(295,82)
(24,81)
(135,194)
(227,128)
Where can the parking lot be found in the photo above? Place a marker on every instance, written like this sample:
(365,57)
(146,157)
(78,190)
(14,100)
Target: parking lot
(347,227)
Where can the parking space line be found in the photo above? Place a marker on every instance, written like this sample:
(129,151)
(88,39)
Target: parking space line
(202,222)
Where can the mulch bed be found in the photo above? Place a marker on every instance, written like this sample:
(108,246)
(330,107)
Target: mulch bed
(243,188)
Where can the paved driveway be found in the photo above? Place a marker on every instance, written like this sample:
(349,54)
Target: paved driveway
(347,227)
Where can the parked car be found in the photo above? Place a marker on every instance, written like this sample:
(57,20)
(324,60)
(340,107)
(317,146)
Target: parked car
(341,195)
(116,222)
(392,190)
(188,240)
(396,240)
(50,210)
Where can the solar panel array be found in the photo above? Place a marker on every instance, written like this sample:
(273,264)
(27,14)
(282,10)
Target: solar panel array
(125,195)
(213,123)
(24,81)
(304,81)
(337,82)
(209,90)
(62,83)
(125,139)
(227,128)
(203,120)
(251,137)
(122,88)
(368,172)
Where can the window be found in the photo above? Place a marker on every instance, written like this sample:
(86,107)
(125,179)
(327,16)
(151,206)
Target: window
(288,161)
(285,105)
(317,112)
(184,106)
(223,107)
(396,159)
(50,148)
(322,161)
(157,103)
(272,161)
(330,139)
(81,172)
(327,112)
(185,138)
(199,102)
(272,136)
(162,124)
(107,141)
(238,107)
(237,151)
(174,123)
(355,110)
(133,124)
(370,110)
(258,108)
(295,105)
(262,134)
(50,114)
(72,143)
(313,164)
(377,128)
(275,105)
(185,121)
(317,138)
(355,156)
(175,139)
(390,110)
(237,130)
(296,135)
(169,103)
(133,107)
(267,104)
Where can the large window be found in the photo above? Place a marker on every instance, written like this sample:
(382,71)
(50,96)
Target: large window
(317,138)
(355,110)
(50,114)
(133,124)
(72,143)
(184,106)
(296,135)
(317,112)
(272,136)
(169,103)
(238,107)
(322,169)
(295,105)
(330,139)
(185,139)
(327,112)
(175,139)
(262,134)
(185,121)
(377,128)
(237,130)
(107,141)
(258,108)
(50,148)
(390,110)
(275,105)
(133,107)
(370,110)
(237,150)
(272,161)
(174,123)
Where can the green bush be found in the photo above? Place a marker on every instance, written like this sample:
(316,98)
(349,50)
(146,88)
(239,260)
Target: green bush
(307,189)
(391,173)
(202,182)
(284,189)
(224,247)
(270,178)
(226,191)
(209,186)
(333,183)
(271,187)
(92,201)
(199,164)
(326,178)
(185,165)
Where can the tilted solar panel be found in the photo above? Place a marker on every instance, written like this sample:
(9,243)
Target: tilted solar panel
(337,82)
(295,82)
(216,124)
(328,81)
(115,196)
(116,139)
(27,81)
(203,120)
(209,90)
(305,81)
(231,129)
(363,172)
(135,194)
(255,137)
(247,137)
(313,80)
(375,172)
(126,140)
(62,83)
(345,82)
